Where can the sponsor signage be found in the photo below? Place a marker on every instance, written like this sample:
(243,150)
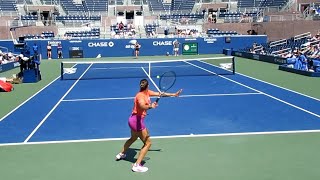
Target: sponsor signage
(101,44)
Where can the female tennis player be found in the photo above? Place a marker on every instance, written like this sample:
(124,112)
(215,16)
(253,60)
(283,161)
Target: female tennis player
(142,103)
(137,47)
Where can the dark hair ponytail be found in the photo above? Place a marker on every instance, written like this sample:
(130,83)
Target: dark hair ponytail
(143,84)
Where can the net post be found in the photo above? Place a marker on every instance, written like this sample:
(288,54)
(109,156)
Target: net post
(61,75)
(233,65)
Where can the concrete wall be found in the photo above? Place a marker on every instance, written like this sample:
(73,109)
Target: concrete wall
(274,30)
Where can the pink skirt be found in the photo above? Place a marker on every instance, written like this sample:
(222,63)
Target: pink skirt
(136,123)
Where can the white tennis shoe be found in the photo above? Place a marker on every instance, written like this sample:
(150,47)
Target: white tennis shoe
(120,156)
(139,168)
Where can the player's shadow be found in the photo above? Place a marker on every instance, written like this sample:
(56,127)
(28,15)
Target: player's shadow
(132,155)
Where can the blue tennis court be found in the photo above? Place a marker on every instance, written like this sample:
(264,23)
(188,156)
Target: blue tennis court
(94,103)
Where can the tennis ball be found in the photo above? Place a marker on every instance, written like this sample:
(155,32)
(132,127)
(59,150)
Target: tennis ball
(158,77)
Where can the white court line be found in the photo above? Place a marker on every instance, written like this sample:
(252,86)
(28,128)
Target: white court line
(292,105)
(158,89)
(190,95)
(108,68)
(268,83)
(46,117)
(29,98)
(165,137)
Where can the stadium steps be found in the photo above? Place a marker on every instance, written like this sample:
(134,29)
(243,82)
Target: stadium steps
(36,2)
(142,33)
(146,10)
(196,8)
(20,9)
(111,11)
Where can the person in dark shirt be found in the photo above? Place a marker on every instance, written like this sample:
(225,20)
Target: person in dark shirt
(59,51)
(137,47)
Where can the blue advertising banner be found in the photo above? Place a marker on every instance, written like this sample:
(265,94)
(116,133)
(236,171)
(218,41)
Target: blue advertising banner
(8,66)
(260,57)
(91,48)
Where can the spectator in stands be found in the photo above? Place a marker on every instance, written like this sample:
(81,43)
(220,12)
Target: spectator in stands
(210,18)
(7,57)
(301,62)
(113,34)
(166,31)
(316,52)
(10,56)
(121,26)
(1,57)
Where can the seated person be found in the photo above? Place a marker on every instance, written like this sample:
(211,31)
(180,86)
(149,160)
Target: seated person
(301,62)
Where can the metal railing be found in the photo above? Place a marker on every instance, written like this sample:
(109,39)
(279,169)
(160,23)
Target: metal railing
(288,17)
(301,36)
(282,51)
(278,43)
(4,49)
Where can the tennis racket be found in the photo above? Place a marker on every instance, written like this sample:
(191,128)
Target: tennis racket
(166,81)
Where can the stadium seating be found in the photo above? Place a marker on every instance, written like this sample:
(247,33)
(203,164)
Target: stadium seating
(95,5)
(156,5)
(150,28)
(217,32)
(272,48)
(78,18)
(179,16)
(93,34)
(43,35)
(261,3)
(71,8)
(128,30)
(175,6)
(29,17)
(138,2)
(235,17)
(8,5)
(182,5)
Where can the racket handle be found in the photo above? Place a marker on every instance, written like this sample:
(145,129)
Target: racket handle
(157,99)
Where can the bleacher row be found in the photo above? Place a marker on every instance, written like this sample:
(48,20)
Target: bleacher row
(78,17)
(72,7)
(93,33)
(217,32)
(179,16)
(235,17)
(151,28)
(273,48)
(261,3)
(174,6)
(8,5)
(116,29)
(43,35)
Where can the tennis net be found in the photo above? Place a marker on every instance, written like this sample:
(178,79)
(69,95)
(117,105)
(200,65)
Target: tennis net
(74,70)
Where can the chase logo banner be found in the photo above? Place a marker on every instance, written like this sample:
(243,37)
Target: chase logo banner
(162,43)
(101,44)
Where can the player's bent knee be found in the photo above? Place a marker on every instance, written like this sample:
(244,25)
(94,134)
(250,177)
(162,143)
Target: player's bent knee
(133,139)
(148,143)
